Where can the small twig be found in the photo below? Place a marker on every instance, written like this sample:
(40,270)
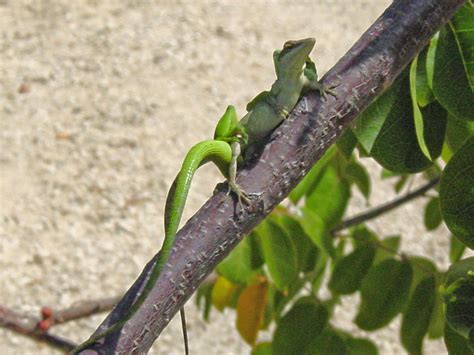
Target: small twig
(379,210)
(27,325)
(37,328)
(79,310)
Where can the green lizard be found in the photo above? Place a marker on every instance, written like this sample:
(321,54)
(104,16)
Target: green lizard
(295,73)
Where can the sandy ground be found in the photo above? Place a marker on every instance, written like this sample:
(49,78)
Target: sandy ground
(99,102)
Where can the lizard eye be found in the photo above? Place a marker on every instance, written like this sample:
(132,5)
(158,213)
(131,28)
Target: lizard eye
(287,48)
(288,44)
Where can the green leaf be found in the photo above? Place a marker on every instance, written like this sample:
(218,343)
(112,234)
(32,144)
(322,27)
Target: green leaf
(424,95)
(315,227)
(416,319)
(384,293)
(430,59)
(311,179)
(362,235)
(351,269)
(459,305)
(421,267)
(386,130)
(457,132)
(435,119)
(306,250)
(459,270)
(319,272)
(329,197)
(306,184)
(456,249)
(361,346)
(387,174)
(203,300)
(328,342)
(279,253)
(457,194)
(419,123)
(401,183)
(282,299)
(459,297)
(390,248)
(450,80)
(368,125)
(340,247)
(432,214)
(455,343)
(303,322)
(436,328)
(241,265)
(362,152)
(356,173)
(346,143)
(462,25)
(262,349)
(269,311)
(447,153)
(430,121)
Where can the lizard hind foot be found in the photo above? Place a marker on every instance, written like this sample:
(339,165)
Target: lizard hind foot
(242,196)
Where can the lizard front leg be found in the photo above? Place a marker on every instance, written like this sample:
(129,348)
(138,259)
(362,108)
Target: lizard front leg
(311,75)
(241,195)
(323,90)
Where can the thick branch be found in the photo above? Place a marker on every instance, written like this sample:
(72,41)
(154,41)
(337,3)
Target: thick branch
(368,69)
(379,210)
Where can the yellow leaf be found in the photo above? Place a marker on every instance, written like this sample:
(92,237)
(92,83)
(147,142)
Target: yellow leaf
(222,293)
(250,310)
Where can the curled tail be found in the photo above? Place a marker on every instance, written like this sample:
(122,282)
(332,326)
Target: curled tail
(220,153)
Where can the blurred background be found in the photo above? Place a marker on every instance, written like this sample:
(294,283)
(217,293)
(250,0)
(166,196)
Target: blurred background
(100,101)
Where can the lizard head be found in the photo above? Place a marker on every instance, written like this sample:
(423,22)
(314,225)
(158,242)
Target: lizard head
(291,59)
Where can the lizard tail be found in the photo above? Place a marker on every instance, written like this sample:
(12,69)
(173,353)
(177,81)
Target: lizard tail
(220,153)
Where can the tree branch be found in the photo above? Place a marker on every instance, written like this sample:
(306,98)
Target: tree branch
(368,69)
(38,328)
(384,208)
(78,310)
(27,325)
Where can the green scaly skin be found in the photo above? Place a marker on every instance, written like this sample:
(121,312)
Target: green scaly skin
(295,74)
